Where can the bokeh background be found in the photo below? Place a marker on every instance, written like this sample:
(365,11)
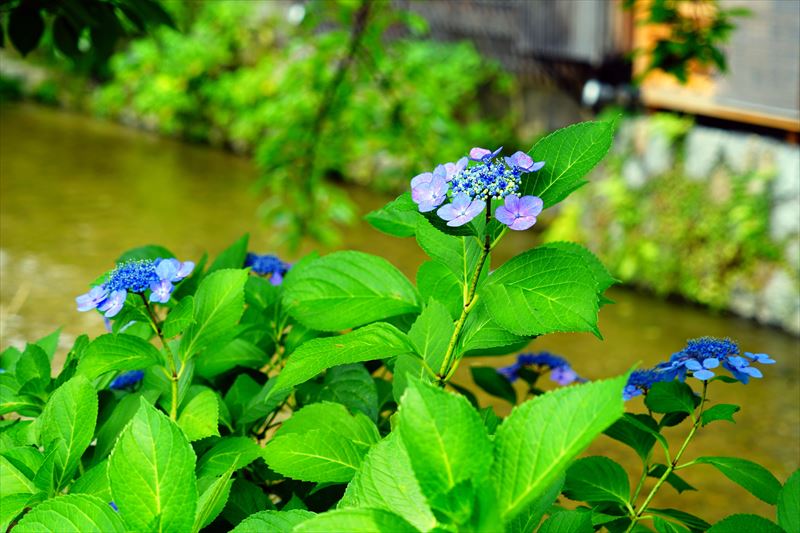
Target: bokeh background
(188,124)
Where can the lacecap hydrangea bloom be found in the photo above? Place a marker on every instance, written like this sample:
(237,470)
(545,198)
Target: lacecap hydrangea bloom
(268,265)
(560,370)
(138,276)
(701,357)
(471,187)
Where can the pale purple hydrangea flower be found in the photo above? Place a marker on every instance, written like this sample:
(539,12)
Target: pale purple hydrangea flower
(428,190)
(524,162)
(519,213)
(461,210)
(448,170)
(92,299)
(482,154)
(112,305)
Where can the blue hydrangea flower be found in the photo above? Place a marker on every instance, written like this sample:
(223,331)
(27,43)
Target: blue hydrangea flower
(127,379)
(268,265)
(560,370)
(135,277)
(640,381)
(703,355)
(470,188)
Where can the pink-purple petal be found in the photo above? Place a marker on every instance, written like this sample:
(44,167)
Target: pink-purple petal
(425,177)
(522,223)
(530,206)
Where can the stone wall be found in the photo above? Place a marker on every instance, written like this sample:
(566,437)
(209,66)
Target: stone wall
(712,215)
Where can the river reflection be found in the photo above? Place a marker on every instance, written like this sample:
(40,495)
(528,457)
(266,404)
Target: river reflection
(75,192)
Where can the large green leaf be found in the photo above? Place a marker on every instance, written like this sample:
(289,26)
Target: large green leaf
(596,480)
(397,218)
(445,438)
(355,521)
(352,386)
(637,431)
(200,417)
(151,471)
(741,523)
(13,481)
(119,353)
(321,442)
(459,254)
(347,289)
(245,499)
(33,369)
(670,397)
(577,521)
(602,277)
(238,352)
(543,290)
(226,452)
(482,335)
(488,379)
(67,426)
(214,494)
(753,477)
(436,281)
(376,341)
(111,427)
(527,520)
(218,306)
(180,318)
(720,411)
(789,503)
(78,513)
(12,507)
(431,333)
(386,480)
(569,154)
(540,438)
(94,482)
(273,521)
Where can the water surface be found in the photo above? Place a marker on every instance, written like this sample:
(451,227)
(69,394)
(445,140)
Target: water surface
(75,192)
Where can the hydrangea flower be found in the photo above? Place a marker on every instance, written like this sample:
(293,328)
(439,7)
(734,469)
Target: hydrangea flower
(560,370)
(268,265)
(127,379)
(640,381)
(471,188)
(135,277)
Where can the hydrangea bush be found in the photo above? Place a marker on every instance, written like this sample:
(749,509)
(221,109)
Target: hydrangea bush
(250,394)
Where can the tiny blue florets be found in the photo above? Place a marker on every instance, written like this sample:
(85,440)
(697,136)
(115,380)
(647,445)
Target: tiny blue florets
(700,357)
(136,277)
(489,179)
(127,379)
(268,265)
(560,370)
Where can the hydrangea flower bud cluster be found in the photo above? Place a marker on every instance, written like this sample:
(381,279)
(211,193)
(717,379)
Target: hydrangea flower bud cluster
(700,357)
(127,379)
(471,187)
(136,277)
(560,370)
(268,265)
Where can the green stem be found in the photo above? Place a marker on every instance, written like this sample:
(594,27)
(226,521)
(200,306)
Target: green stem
(172,371)
(672,464)
(470,299)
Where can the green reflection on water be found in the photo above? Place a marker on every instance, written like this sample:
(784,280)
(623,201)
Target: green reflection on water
(75,192)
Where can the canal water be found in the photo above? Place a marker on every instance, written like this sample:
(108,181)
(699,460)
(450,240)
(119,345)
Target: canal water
(75,192)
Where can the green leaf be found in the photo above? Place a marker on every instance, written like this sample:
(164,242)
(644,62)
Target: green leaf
(663,526)
(347,289)
(397,218)
(597,480)
(386,481)
(119,353)
(49,343)
(356,521)
(376,341)
(669,397)
(459,254)
(569,154)
(149,251)
(200,417)
(227,452)
(151,471)
(721,411)
(238,352)
(789,503)
(232,257)
(110,429)
(543,290)
(94,482)
(694,523)
(10,401)
(431,333)
(12,506)
(245,499)
(601,275)
(78,513)
(67,426)
(12,481)
(180,318)
(678,483)
(212,499)
(541,437)
(445,437)
(753,477)
(351,386)
(218,306)
(28,459)
(483,336)
(25,27)
(321,442)
(568,522)
(273,521)
(739,523)
(527,520)
(637,431)
(33,369)
(436,281)
(487,378)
